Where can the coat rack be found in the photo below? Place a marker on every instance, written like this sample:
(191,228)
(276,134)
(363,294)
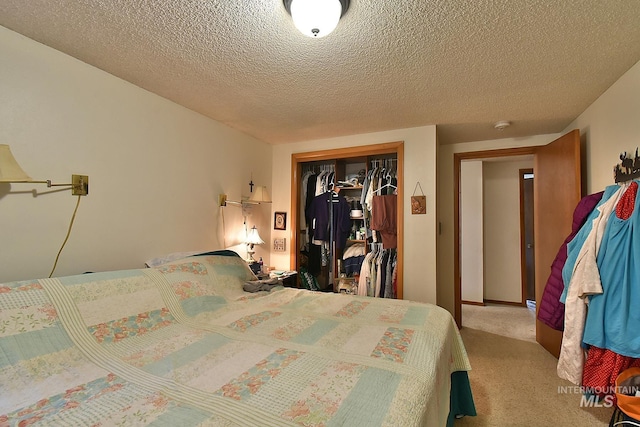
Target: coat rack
(628,168)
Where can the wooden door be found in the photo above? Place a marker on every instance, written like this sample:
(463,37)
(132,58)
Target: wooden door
(557,191)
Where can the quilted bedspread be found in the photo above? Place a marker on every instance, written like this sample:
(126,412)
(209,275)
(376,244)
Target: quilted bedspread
(183,345)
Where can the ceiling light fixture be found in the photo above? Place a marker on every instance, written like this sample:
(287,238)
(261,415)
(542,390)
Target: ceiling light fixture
(316,18)
(502,124)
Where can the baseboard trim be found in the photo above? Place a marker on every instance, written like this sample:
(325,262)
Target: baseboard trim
(472,302)
(494,301)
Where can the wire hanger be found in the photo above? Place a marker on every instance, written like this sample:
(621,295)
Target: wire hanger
(388,184)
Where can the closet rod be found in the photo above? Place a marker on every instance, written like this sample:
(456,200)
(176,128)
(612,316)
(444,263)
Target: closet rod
(310,167)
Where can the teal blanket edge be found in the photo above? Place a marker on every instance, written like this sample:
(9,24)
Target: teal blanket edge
(461,398)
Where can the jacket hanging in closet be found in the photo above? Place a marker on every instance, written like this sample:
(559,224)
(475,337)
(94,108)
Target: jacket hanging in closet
(318,214)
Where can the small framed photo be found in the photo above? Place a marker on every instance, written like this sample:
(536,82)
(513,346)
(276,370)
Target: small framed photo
(280,221)
(418,205)
(279,244)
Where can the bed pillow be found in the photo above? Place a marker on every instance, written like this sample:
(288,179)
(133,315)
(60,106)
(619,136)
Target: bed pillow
(217,276)
(155,262)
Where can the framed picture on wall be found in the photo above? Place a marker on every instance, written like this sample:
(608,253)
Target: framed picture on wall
(279,244)
(280,221)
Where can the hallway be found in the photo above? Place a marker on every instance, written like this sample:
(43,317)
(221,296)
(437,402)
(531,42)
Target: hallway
(506,320)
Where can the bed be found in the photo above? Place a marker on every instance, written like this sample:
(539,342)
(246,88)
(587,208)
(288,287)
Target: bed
(182,344)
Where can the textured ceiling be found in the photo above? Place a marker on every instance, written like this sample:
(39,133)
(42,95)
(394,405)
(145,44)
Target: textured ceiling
(461,65)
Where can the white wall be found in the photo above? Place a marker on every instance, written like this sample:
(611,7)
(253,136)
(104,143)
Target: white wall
(607,127)
(610,126)
(420,230)
(471,230)
(502,264)
(155,168)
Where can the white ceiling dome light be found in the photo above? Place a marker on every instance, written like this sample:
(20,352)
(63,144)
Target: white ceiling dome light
(316,18)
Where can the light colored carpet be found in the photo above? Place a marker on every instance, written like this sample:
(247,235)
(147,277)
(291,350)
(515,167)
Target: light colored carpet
(514,384)
(506,320)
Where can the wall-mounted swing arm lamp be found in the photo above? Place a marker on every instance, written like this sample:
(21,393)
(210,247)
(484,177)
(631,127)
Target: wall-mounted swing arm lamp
(260,195)
(11,172)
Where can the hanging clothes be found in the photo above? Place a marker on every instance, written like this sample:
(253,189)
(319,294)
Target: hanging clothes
(614,318)
(384,218)
(378,274)
(581,274)
(601,369)
(551,310)
(364,280)
(352,258)
(318,214)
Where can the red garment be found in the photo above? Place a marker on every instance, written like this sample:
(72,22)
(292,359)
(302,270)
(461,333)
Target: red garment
(601,369)
(625,205)
(384,217)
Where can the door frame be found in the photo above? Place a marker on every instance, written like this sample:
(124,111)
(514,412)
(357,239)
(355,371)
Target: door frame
(457,160)
(523,254)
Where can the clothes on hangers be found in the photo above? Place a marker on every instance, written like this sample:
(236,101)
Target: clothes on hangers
(613,320)
(319,215)
(317,185)
(315,181)
(551,309)
(380,181)
(303,198)
(384,218)
(611,334)
(378,274)
(352,258)
(603,270)
(581,274)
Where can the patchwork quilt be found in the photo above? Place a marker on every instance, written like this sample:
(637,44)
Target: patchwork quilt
(183,345)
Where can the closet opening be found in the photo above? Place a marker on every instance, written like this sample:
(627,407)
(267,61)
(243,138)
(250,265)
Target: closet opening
(332,258)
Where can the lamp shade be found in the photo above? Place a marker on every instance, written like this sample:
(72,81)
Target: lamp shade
(316,18)
(254,238)
(10,170)
(260,195)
